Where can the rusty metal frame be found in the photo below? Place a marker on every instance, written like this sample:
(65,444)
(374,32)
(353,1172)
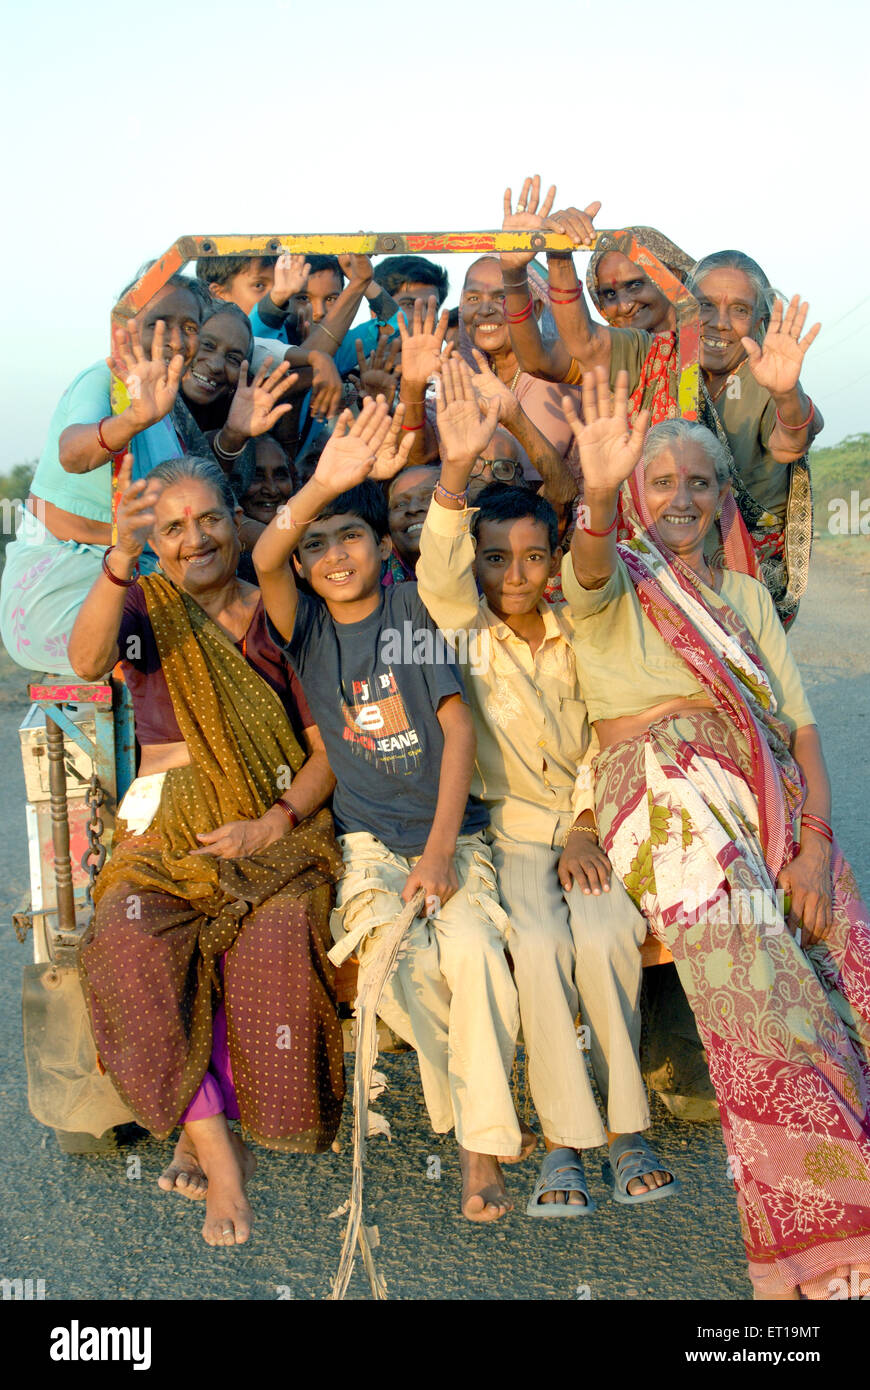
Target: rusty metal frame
(189,248)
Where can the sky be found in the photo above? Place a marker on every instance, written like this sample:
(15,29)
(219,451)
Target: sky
(730,126)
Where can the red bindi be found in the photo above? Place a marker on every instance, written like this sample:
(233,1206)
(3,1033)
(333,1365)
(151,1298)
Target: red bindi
(188,513)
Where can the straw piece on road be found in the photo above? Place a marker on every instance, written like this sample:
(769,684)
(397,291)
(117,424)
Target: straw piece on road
(375,976)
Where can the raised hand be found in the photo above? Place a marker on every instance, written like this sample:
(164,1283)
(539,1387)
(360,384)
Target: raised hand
(135,516)
(465,423)
(392,455)
(326,386)
(291,277)
(776,365)
(254,410)
(151,385)
(489,387)
(609,448)
(527,218)
(358,269)
(576,224)
(379,373)
(422,343)
(352,452)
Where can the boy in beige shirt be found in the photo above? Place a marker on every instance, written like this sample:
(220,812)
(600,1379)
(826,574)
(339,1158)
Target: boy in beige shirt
(574,934)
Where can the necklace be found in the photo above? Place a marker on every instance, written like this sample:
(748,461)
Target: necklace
(516,376)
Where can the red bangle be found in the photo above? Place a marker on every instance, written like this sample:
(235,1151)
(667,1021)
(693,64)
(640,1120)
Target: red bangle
(101,441)
(413,427)
(612,527)
(288,812)
(798,428)
(122,583)
(571,297)
(523,313)
(820,826)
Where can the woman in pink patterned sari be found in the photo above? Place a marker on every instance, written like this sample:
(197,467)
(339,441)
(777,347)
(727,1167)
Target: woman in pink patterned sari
(714,807)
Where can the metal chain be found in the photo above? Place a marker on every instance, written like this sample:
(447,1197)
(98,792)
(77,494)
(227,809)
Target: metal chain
(94,856)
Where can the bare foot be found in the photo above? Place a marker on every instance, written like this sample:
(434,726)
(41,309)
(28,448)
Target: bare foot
(184,1174)
(484,1196)
(529,1142)
(228,1165)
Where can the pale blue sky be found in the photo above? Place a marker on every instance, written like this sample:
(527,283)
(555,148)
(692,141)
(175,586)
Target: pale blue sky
(743,125)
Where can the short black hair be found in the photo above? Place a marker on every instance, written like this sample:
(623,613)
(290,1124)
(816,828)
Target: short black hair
(395,271)
(219,270)
(367,501)
(316,263)
(500,502)
(453,317)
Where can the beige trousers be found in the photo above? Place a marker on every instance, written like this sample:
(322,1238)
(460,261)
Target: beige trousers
(451,995)
(571,951)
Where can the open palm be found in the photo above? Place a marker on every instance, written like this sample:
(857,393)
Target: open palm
(776,365)
(254,409)
(465,423)
(609,448)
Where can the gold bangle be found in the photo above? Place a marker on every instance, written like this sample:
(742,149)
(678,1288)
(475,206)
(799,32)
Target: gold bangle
(323,328)
(573,374)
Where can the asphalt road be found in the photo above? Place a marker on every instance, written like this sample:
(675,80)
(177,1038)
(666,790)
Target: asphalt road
(93,1229)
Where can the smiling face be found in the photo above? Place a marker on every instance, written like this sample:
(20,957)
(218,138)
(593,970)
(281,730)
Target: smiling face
(409,501)
(341,558)
(629,299)
(179,310)
(272,484)
(195,537)
(315,301)
(247,287)
(224,345)
(683,494)
(481,307)
(513,562)
(726,300)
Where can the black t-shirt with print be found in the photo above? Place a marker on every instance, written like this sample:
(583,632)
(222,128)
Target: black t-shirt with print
(374,688)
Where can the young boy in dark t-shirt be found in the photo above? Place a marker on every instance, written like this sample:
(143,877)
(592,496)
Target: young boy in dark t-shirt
(391,708)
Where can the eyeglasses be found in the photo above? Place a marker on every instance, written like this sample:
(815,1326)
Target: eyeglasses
(503,470)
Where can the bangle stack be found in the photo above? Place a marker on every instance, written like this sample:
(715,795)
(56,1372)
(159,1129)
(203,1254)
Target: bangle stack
(798,429)
(225,453)
(291,815)
(574,373)
(121,583)
(101,441)
(523,314)
(820,826)
(570,296)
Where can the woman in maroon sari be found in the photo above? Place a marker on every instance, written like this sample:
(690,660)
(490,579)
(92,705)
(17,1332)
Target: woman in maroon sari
(713,803)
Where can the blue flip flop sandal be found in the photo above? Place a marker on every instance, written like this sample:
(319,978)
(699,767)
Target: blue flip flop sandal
(631,1157)
(561,1171)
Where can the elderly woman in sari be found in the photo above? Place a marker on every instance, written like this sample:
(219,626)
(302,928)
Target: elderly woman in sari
(621,291)
(713,804)
(751,354)
(205,970)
